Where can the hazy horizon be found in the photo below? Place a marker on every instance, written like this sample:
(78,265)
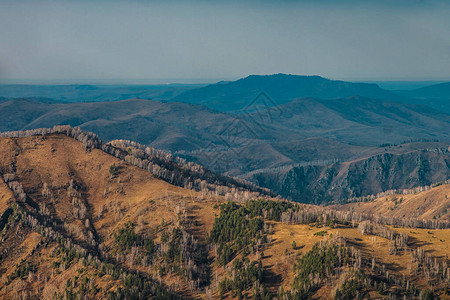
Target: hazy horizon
(165,42)
(385,84)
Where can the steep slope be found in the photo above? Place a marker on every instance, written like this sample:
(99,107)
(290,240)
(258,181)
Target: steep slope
(281,88)
(173,169)
(358,178)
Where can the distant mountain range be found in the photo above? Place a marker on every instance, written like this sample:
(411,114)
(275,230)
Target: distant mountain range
(94,93)
(233,95)
(436,96)
(265,128)
(281,88)
(437,91)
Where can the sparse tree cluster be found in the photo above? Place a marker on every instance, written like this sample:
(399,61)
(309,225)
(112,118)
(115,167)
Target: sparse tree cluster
(434,270)
(323,261)
(397,241)
(186,174)
(306,214)
(412,191)
(177,253)
(17,188)
(235,231)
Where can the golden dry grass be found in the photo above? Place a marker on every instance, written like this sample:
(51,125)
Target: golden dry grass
(435,242)
(6,197)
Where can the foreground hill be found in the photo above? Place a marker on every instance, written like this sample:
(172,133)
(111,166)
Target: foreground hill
(77,222)
(81,199)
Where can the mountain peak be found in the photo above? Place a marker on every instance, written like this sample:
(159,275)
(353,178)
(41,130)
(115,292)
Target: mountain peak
(282,76)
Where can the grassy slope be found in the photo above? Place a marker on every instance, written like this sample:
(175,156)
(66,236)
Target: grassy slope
(430,204)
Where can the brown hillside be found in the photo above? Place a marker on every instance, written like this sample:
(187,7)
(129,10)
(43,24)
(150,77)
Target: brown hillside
(64,235)
(62,164)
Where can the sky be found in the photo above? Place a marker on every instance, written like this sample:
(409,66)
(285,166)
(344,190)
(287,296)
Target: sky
(195,41)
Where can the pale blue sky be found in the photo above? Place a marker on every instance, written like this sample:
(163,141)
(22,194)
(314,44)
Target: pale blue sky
(128,41)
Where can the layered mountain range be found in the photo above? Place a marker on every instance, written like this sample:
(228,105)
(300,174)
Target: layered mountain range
(307,138)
